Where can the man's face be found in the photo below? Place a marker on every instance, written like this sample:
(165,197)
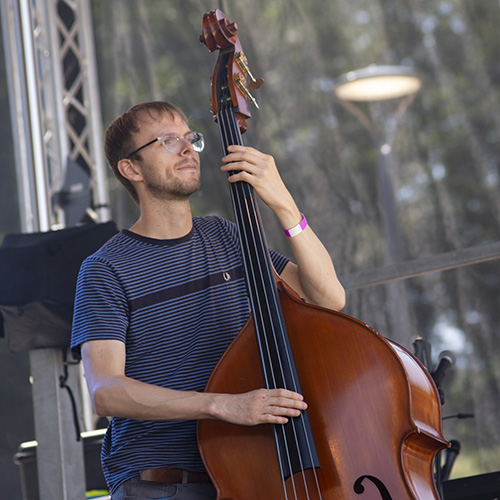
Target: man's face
(168,176)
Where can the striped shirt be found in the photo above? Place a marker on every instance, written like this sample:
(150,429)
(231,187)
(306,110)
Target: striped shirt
(177,304)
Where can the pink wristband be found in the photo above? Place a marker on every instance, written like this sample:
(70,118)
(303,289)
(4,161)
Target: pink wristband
(294,231)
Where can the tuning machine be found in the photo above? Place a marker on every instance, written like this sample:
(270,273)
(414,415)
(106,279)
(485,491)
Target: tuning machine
(241,81)
(241,85)
(242,62)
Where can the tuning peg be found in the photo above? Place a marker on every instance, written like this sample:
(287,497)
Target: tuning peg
(242,62)
(241,85)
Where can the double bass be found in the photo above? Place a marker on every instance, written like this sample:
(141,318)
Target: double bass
(373,425)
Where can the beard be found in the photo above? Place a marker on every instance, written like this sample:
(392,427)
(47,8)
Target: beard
(174,190)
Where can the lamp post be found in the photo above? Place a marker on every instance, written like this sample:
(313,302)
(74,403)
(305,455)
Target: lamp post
(395,86)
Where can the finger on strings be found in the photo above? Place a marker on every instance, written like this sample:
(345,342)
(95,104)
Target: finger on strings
(240,168)
(246,153)
(285,393)
(241,175)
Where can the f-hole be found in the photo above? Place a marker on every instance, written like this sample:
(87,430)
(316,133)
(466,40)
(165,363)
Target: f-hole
(359,488)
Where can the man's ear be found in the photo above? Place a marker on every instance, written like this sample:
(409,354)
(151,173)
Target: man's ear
(129,170)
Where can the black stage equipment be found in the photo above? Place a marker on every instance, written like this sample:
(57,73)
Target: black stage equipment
(26,459)
(480,487)
(38,279)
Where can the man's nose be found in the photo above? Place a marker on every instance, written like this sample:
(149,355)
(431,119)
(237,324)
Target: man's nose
(186,145)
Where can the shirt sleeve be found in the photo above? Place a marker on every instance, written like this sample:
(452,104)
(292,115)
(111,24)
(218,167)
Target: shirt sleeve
(279,261)
(101,308)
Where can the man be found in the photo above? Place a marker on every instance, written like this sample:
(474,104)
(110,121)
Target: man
(152,316)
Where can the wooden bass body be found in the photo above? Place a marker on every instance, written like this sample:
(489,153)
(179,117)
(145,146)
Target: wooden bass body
(373,408)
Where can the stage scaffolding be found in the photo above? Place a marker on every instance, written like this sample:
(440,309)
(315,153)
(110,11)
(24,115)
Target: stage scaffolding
(56,123)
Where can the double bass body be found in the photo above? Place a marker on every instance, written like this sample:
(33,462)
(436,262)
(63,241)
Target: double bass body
(374,412)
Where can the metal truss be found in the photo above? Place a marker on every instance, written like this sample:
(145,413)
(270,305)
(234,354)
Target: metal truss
(55,106)
(56,128)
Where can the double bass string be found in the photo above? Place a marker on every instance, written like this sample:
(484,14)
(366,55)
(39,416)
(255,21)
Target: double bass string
(238,200)
(241,195)
(276,331)
(230,137)
(243,199)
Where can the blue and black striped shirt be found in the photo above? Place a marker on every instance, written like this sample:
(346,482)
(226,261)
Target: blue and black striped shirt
(177,304)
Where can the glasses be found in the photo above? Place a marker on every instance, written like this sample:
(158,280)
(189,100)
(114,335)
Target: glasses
(173,143)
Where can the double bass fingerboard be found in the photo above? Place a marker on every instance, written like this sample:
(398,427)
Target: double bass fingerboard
(294,440)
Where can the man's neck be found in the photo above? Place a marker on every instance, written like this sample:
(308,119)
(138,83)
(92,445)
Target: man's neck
(164,221)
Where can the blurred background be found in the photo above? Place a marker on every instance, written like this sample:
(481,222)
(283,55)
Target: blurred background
(412,181)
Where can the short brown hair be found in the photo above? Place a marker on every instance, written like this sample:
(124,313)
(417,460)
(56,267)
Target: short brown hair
(119,136)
